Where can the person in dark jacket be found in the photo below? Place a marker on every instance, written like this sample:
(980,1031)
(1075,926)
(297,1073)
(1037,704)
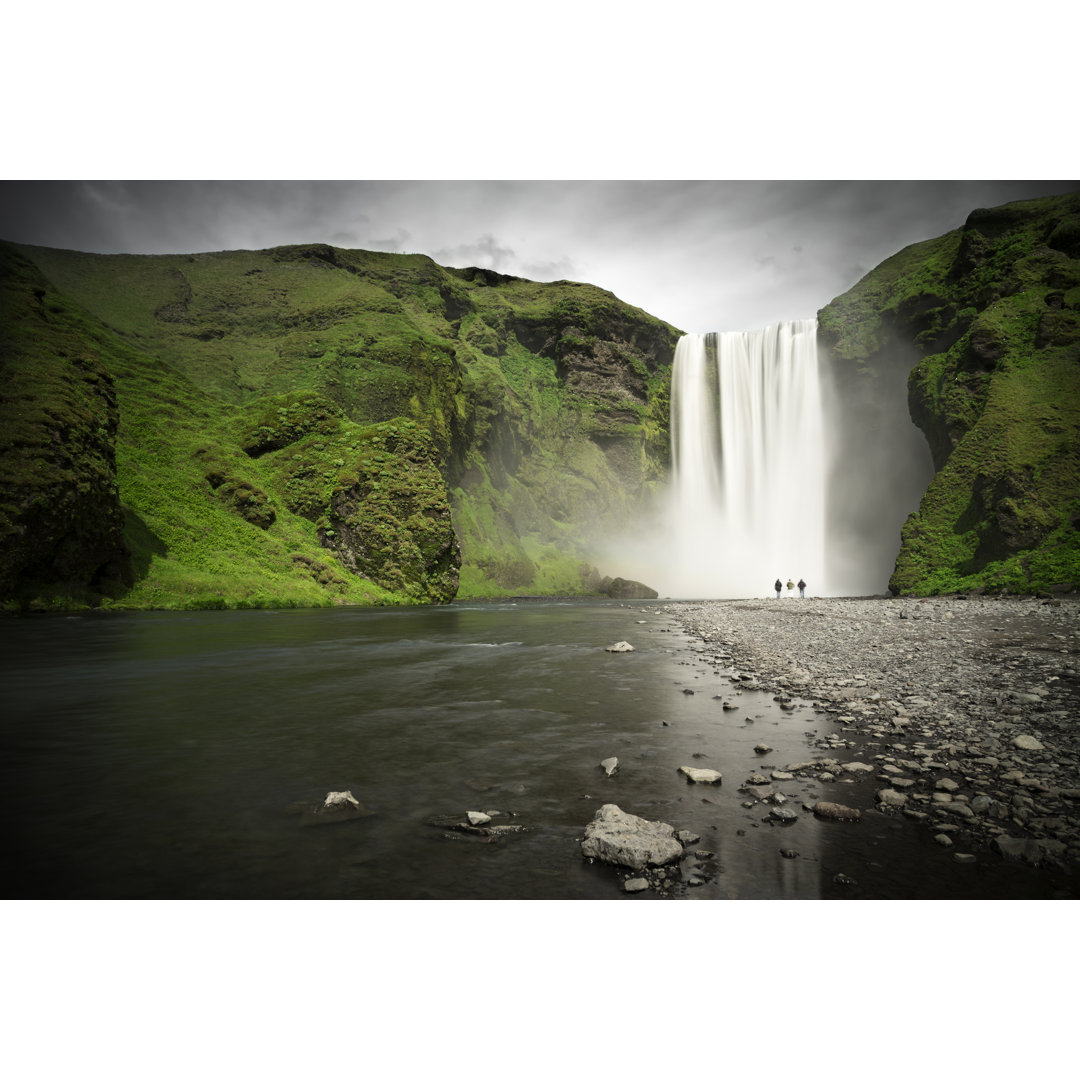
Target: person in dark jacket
(778,586)
(802,587)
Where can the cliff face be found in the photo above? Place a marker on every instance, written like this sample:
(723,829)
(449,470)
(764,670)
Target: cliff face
(312,425)
(989,317)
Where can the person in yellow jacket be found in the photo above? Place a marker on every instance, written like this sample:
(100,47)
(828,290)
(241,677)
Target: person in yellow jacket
(790,584)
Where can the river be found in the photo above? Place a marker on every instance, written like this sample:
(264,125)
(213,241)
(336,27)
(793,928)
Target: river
(168,755)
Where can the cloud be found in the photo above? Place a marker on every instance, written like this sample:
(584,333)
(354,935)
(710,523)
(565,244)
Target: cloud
(485,251)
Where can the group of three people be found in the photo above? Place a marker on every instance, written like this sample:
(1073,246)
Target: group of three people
(791,585)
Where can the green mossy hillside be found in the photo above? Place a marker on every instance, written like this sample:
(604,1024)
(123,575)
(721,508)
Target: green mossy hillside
(992,314)
(252,388)
(116,456)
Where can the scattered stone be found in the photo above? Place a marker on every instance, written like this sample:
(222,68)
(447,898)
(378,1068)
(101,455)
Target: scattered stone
(962,857)
(945,784)
(620,646)
(686,837)
(609,765)
(890,797)
(761,748)
(857,767)
(779,774)
(943,839)
(788,853)
(701,776)
(1018,847)
(614,836)
(831,811)
(757,778)
(340,798)
(843,879)
(785,817)
(477,818)
(1027,742)
(635,884)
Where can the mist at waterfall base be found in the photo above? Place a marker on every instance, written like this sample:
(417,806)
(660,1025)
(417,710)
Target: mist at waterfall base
(785,465)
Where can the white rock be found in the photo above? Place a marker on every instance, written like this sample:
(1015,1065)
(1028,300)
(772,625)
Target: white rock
(620,646)
(635,884)
(615,836)
(701,776)
(609,765)
(477,818)
(857,766)
(340,798)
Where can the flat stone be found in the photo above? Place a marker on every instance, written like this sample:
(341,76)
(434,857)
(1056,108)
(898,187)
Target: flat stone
(857,767)
(757,778)
(1018,847)
(779,814)
(635,884)
(891,797)
(701,776)
(943,839)
(685,836)
(1027,742)
(777,774)
(831,811)
(963,857)
(945,784)
(477,818)
(614,836)
(620,646)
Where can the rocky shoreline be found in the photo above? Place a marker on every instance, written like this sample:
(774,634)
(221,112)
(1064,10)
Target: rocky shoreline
(973,702)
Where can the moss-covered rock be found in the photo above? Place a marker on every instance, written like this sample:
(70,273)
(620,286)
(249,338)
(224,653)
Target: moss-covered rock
(991,315)
(61,522)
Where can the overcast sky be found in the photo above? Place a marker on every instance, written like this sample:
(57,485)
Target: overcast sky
(703,255)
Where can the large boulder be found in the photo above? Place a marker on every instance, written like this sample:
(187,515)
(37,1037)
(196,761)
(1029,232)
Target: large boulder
(613,836)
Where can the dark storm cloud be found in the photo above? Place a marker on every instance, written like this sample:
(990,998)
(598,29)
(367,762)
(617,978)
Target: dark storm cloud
(703,255)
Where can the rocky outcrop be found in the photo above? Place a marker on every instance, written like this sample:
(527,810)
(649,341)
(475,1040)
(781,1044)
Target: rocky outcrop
(61,522)
(987,321)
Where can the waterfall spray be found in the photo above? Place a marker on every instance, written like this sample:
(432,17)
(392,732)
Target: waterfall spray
(748,452)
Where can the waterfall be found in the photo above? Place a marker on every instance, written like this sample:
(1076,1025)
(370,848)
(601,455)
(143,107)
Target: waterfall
(748,453)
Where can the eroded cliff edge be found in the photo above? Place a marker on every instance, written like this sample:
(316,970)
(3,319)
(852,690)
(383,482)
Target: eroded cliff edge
(987,318)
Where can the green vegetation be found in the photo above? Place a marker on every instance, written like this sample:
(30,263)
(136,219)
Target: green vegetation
(308,425)
(994,309)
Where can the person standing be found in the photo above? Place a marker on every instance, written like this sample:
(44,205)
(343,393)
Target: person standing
(778,585)
(802,588)
(790,584)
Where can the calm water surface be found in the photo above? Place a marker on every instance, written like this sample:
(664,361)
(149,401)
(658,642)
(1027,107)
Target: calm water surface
(163,755)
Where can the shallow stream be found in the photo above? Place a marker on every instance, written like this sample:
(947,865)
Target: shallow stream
(163,755)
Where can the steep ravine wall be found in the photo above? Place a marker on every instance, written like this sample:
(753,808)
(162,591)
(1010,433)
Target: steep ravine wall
(987,319)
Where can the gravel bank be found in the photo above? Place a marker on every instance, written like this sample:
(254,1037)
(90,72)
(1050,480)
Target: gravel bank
(975,702)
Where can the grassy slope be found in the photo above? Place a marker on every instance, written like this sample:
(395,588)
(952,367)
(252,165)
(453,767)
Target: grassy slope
(993,308)
(241,338)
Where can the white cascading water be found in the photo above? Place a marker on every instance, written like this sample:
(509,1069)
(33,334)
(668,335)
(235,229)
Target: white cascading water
(748,450)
